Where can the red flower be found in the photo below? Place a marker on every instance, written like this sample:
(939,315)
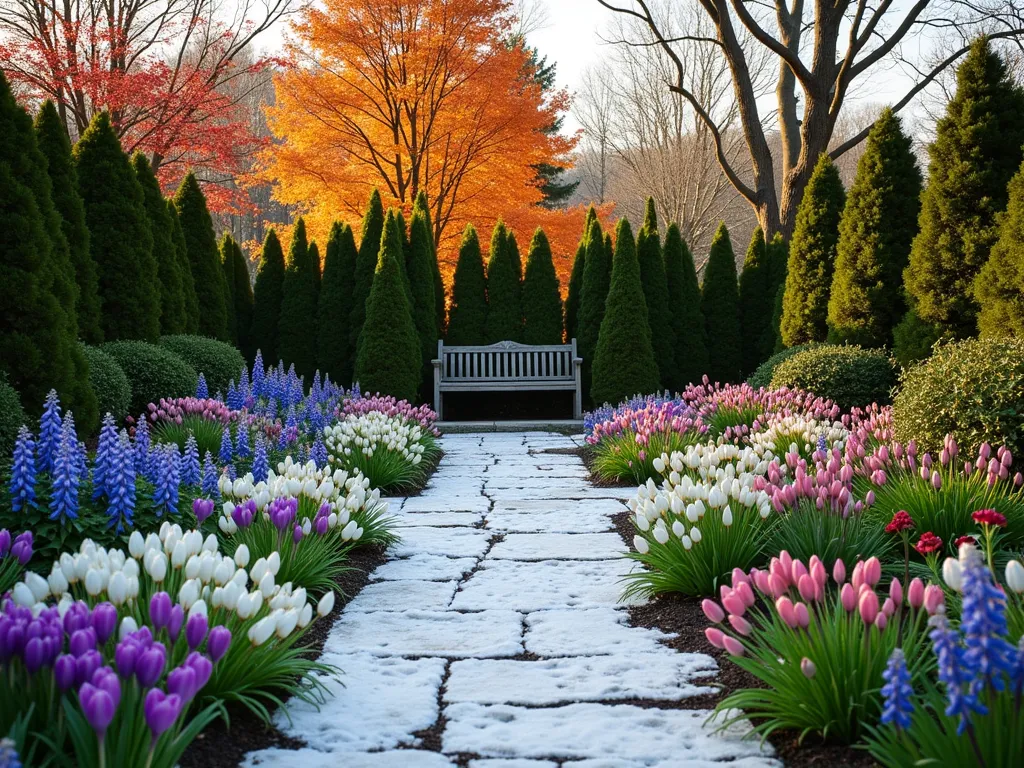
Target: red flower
(901,521)
(989,517)
(965,540)
(929,543)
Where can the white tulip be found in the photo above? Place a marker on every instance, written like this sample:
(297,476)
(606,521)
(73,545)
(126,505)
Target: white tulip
(642,522)
(951,574)
(133,587)
(267,585)
(165,529)
(695,534)
(244,607)
(57,582)
(286,623)
(242,556)
(192,567)
(136,545)
(128,626)
(157,567)
(348,532)
(1015,576)
(81,567)
(261,631)
(678,529)
(326,604)
(131,569)
(198,608)
(230,595)
(641,544)
(23,595)
(659,465)
(661,533)
(258,570)
(188,594)
(687,542)
(93,582)
(117,588)
(154,542)
(274,562)
(727,516)
(305,615)
(37,585)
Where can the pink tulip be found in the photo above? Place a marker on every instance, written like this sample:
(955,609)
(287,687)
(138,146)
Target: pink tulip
(732,645)
(778,586)
(745,593)
(799,571)
(734,604)
(762,582)
(933,598)
(806,587)
(712,610)
(786,611)
(858,575)
(868,606)
(714,636)
(888,607)
(779,572)
(872,571)
(803,616)
(915,594)
(896,591)
(869,498)
(881,621)
(738,577)
(740,624)
(839,571)
(786,561)
(808,668)
(849,597)
(818,573)
(724,591)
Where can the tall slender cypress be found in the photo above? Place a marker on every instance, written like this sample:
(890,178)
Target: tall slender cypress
(366,264)
(422,207)
(720,306)
(227,265)
(691,352)
(241,291)
(504,305)
(468,316)
(572,298)
(655,285)
(778,260)
(190,301)
(334,354)
(596,280)
(757,303)
(542,299)
(421,290)
(203,258)
(513,252)
(267,298)
(296,340)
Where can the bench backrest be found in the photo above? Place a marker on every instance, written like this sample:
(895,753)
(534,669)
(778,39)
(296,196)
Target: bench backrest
(507,360)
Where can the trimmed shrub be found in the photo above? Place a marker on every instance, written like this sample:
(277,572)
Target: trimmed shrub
(422,207)
(999,287)
(173,318)
(762,375)
(366,264)
(597,272)
(421,292)
(241,291)
(812,256)
(655,285)
(778,258)
(153,372)
(504,298)
(203,258)
(572,298)
(624,362)
(719,303)
(296,335)
(969,389)
(756,303)
(109,383)
(849,375)
(188,285)
(218,361)
(691,351)
(542,301)
(913,339)
(334,307)
(977,150)
(468,315)
(12,417)
(267,296)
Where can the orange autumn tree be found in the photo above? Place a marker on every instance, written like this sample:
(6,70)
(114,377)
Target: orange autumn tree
(404,95)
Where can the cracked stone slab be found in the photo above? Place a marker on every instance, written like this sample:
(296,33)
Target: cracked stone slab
(502,762)
(580,492)
(665,676)
(589,507)
(404,596)
(572,632)
(455,542)
(491,633)
(550,521)
(544,584)
(424,568)
(743,762)
(541,468)
(439,519)
(310,758)
(596,731)
(559,546)
(442,502)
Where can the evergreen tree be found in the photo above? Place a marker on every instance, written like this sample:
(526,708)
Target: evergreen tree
(875,234)
(977,150)
(333,350)
(812,256)
(38,323)
(1000,284)
(572,299)
(389,358)
(655,285)
(757,303)
(296,328)
(596,281)
(778,252)
(504,305)
(227,265)
(468,316)
(120,239)
(54,143)
(317,266)
(513,251)
(173,318)
(241,291)
(188,286)
(421,291)
(691,352)
(542,300)
(719,302)
(267,299)
(624,363)
(423,208)
(203,258)
(366,263)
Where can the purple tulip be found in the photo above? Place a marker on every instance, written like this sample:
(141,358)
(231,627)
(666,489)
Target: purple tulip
(202,667)
(13,642)
(105,679)
(86,665)
(98,707)
(150,665)
(142,637)
(35,654)
(159,610)
(5,542)
(174,625)
(104,621)
(161,711)
(202,508)
(76,618)
(297,533)
(64,671)
(195,631)
(82,640)
(321,526)
(182,682)
(218,642)
(22,547)
(125,656)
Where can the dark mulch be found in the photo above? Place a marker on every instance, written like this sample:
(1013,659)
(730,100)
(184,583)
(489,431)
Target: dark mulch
(586,453)
(683,617)
(221,746)
(416,489)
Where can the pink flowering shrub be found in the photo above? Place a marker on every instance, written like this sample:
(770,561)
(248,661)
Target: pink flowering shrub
(177,409)
(423,415)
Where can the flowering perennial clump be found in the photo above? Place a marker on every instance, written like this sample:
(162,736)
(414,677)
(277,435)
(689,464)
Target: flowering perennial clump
(389,450)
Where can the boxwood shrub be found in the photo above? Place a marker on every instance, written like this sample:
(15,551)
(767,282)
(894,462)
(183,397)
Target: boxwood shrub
(218,361)
(152,371)
(12,416)
(762,375)
(849,375)
(971,389)
(109,383)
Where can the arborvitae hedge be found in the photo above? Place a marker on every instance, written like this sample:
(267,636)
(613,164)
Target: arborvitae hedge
(1000,284)
(119,235)
(421,290)
(513,251)
(596,281)
(655,285)
(267,296)
(977,150)
(757,303)
(227,265)
(875,234)
(572,299)
(241,292)
(624,362)
(333,350)
(719,304)
(52,137)
(188,286)
(296,337)
(504,302)
(389,359)
(778,258)
(366,263)
(542,299)
(203,258)
(422,207)
(812,256)
(691,351)
(468,316)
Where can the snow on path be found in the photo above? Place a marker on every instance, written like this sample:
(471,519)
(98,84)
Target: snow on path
(498,619)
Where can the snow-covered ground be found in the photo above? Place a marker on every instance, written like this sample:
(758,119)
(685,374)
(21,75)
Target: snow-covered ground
(498,616)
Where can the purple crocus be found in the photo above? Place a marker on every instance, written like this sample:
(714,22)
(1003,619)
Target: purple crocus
(181,681)
(98,706)
(218,642)
(175,623)
(161,711)
(104,621)
(5,542)
(125,656)
(150,665)
(22,547)
(202,508)
(195,631)
(64,671)
(86,665)
(82,640)
(244,513)
(159,610)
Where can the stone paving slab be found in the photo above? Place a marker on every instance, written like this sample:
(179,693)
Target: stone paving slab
(574,632)
(446,503)
(424,568)
(456,542)
(311,758)
(404,596)
(544,584)
(559,546)
(553,521)
(438,519)
(490,633)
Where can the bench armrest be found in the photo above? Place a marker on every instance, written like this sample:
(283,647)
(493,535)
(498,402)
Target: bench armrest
(577,361)
(436,363)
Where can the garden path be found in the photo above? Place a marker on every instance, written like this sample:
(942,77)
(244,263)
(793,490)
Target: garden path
(494,636)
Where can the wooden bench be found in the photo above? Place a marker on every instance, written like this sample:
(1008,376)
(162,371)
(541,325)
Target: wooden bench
(507,366)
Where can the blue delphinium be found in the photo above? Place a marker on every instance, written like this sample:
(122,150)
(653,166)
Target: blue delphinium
(168,477)
(105,449)
(896,693)
(9,754)
(227,451)
(64,481)
(318,453)
(983,624)
(952,672)
(236,398)
(260,464)
(191,470)
(822,445)
(242,448)
(209,484)
(259,375)
(356,393)
(50,428)
(315,420)
(271,410)
(231,472)
(141,447)
(22,484)
(202,391)
(120,484)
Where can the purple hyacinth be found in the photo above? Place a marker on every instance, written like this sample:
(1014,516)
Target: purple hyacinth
(65,480)
(202,391)
(168,476)
(209,482)
(191,469)
(897,706)
(103,463)
(983,624)
(120,485)
(227,451)
(260,462)
(22,484)
(242,447)
(318,453)
(50,432)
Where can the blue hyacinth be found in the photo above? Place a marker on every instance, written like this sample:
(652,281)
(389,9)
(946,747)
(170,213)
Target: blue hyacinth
(953,673)
(9,754)
(105,449)
(896,693)
(245,388)
(242,448)
(22,484)
(983,624)
(168,477)
(318,453)
(231,472)
(120,484)
(258,375)
(209,483)
(260,463)
(141,447)
(65,480)
(227,451)
(202,391)
(50,428)
(191,469)
(356,394)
